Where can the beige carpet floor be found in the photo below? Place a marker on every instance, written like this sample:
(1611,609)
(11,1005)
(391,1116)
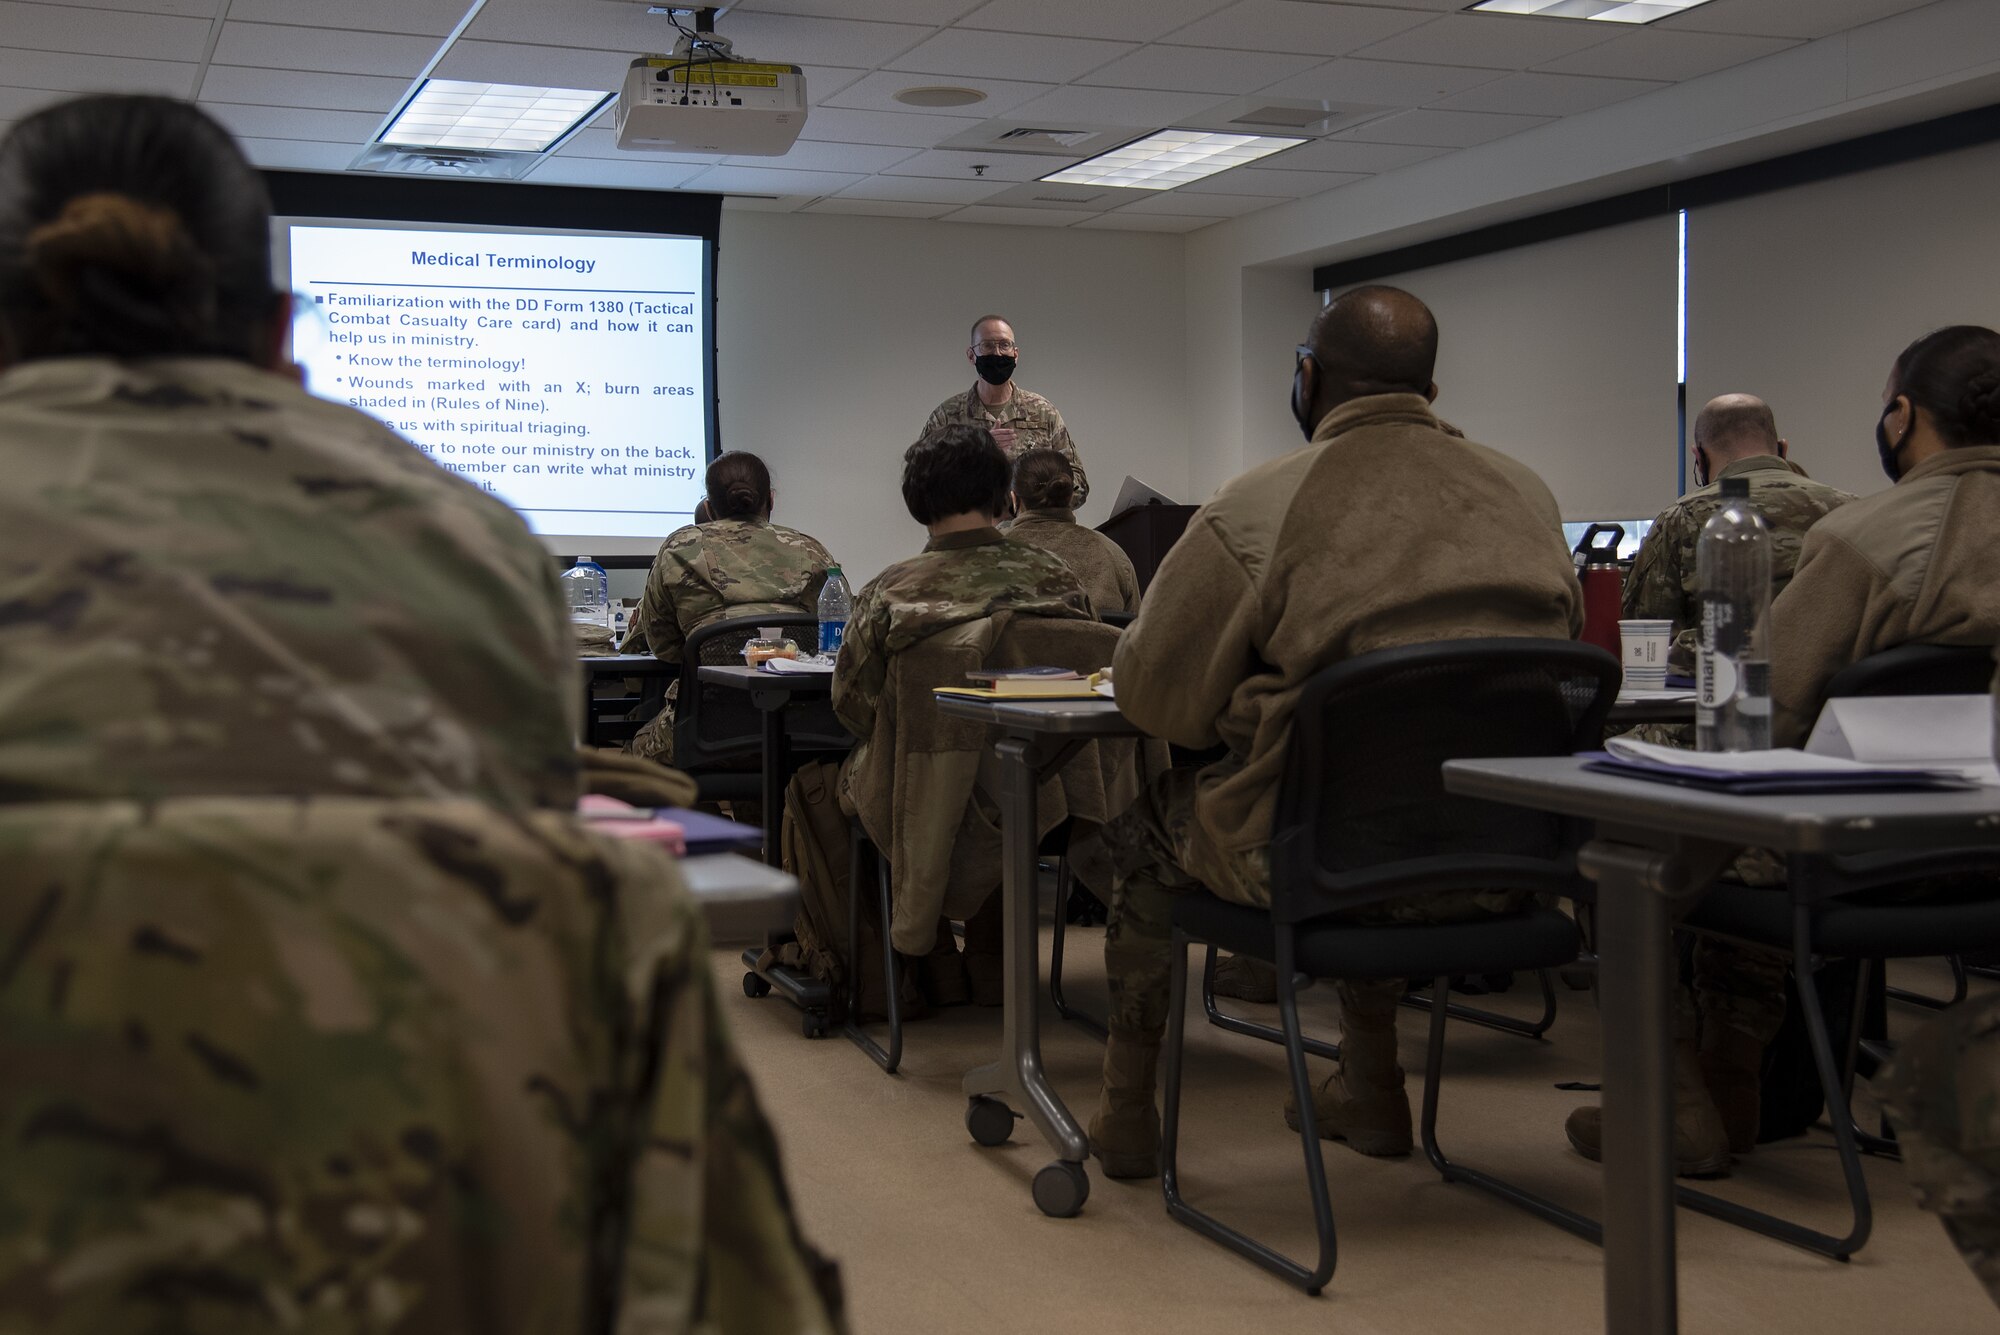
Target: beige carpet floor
(937,1235)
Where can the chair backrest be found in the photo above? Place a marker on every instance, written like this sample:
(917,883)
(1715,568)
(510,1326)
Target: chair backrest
(1119,619)
(713,724)
(1917,669)
(1362,802)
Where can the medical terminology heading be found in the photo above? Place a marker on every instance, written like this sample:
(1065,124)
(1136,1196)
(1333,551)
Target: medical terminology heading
(490,260)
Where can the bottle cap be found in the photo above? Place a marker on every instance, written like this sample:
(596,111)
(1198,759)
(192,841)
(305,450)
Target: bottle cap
(1736,487)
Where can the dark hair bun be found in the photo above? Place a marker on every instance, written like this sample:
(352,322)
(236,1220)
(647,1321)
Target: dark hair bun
(1979,408)
(122,276)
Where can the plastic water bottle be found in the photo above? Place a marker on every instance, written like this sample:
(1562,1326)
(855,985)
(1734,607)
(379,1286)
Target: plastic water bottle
(588,589)
(1733,664)
(835,602)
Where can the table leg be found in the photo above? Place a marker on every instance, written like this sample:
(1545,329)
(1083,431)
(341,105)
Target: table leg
(1634,950)
(777,773)
(1018,1076)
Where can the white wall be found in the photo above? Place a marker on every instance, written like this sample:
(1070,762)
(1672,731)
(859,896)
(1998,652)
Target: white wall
(837,335)
(1806,296)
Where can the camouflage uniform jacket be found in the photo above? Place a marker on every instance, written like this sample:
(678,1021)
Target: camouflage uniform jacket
(727,568)
(959,577)
(1661,586)
(212,582)
(1102,565)
(373,1067)
(1037,426)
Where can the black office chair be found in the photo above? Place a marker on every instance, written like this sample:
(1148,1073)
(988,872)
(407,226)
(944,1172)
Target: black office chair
(1920,669)
(1820,919)
(1363,816)
(718,733)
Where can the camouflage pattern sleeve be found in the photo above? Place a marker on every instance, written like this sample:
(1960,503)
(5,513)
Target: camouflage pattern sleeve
(862,669)
(1662,574)
(355,1067)
(1060,441)
(941,417)
(657,616)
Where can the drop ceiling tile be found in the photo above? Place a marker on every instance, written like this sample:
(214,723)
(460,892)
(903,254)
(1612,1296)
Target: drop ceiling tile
(877,208)
(60,71)
(1289,26)
(793,37)
(547,66)
(1380,83)
(1658,53)
(18,102)
(102,32)
(330,127)
(1048,59)
(907,129)
(1787,18)
(430,18)
(1537,94)
(1272,181)
(1444,129)
(891,11)
(1494,41)
(764,203)
(623,175)
(277,47)
(877,92)
(1125,221)
(297,154)
(1140,108)
(194,9)
(1132,20)
(1199,69)
(600,141)
(957,165)
(925,189)
(302,88)
(1202,206)
(771,181)
(1347,155)
(807,155)
(988,213)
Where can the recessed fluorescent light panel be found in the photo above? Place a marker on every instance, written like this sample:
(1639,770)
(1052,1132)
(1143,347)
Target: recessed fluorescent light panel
(491,117)
(1603,11)
(1172,157)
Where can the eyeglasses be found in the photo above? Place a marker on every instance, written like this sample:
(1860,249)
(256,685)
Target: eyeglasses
(1001,345)
(1304,351)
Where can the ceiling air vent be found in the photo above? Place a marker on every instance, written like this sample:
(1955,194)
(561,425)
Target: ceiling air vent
(458,162)
(1290,118)
(1075,140)
(1029,138)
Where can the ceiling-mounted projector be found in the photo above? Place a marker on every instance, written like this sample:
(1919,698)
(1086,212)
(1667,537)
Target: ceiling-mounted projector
(703,99)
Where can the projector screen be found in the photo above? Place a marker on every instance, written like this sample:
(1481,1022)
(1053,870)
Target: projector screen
(566,371)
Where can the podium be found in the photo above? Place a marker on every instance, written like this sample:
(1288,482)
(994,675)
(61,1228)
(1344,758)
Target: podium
(1146,532)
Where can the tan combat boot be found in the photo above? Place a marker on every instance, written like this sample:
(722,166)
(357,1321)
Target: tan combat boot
(1363,1103)
(1701,1146)
(1246,978)
(1125,1132)
(1732,1066)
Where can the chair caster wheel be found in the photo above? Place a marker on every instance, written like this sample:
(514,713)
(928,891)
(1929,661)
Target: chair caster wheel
(1061,1189)
(754,986)
(813,1025)
(989,1121)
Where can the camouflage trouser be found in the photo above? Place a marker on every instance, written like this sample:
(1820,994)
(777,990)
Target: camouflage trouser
(1943,1094)
(655,739)
(1158,850)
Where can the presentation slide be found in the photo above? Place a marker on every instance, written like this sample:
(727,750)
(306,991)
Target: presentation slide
(564,372)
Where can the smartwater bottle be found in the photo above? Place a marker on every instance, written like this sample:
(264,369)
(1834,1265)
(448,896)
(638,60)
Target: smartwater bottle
(588,590)
(835,602)
(1733,664)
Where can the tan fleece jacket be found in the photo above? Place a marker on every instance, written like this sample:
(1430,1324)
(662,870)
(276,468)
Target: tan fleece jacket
(1386,530)
(1917,564)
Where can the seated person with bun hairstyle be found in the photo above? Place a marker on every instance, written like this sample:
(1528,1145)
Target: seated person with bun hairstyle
(737,564)
(321,1010)
(1045,517)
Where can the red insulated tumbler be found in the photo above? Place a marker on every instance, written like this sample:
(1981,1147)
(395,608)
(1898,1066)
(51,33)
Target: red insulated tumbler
(1603,581)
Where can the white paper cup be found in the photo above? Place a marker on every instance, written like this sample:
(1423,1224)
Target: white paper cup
(1645,645)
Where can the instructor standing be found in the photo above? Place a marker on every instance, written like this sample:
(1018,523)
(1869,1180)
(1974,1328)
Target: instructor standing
(1019,420)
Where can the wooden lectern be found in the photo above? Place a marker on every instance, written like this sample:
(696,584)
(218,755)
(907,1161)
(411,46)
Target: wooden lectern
(1146,532)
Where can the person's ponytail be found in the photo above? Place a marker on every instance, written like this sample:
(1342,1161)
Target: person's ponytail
(121,277)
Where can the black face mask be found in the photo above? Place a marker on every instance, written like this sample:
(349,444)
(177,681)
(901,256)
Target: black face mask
(1302,410)
(1887,448)
(994,368)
